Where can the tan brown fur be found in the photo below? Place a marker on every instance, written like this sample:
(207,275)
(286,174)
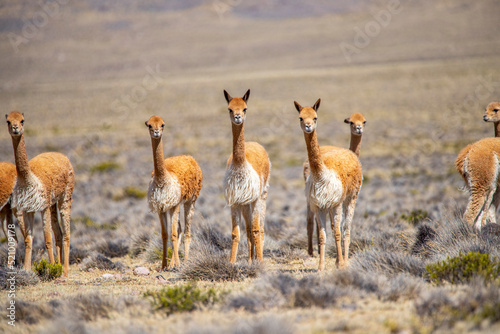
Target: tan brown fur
(332,186)
(478,164)
(248,165)
(43,184)
(182,166)
(175,181)
(7,182)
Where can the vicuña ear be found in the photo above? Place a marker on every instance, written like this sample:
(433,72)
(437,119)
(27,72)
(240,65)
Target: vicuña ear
(246,96)
(146,123)
(347,120)
(316,105)
(6,116)
(297,106)
(227,96)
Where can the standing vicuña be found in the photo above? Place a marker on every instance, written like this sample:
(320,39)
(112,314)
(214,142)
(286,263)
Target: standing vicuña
(176,180)
(246,182)
(44,184)
(478,163)
(357,124)
(332,186)
(7,183)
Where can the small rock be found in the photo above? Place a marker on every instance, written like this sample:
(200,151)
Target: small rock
(107,276)
(161,279)
(141,271)
(55,294)
(118,276)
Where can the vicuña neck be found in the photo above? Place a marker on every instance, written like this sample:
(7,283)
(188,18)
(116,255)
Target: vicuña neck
(22,166)
(238,144)
(159,160)
(355,144)
(315,162)
(497,129)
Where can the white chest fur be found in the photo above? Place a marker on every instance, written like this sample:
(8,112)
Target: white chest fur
(325,191)
(29,195)
(162,197)
(242,185)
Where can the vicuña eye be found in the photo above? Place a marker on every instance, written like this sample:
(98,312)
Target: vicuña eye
(495,110)
(150,126)
(301,119)
(315,119)
(162,126)
(230,110)
(245,110)
(8,122)
(22,122)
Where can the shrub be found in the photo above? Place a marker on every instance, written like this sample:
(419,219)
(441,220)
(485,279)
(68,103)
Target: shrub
(184,298)
(210,264)
(133,192)
(463,268)
(22,278)
(476,303)
(105,166)
(99,261)
(415,216)
(47,271)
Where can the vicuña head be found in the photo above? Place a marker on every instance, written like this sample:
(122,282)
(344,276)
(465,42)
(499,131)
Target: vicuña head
(156,126)
(357,123)
(491,112)
(15,123)
(308,116)
(237,107)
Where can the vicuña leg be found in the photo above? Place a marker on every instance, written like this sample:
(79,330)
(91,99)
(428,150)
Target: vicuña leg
(65,230)
(336,220)
(174,217)
(57,232)
(247,212)
(47,233)
(321,222)
(310,231)
(257,234)
(350,205)
(262,217)
(188,217)
(476,207)
(164,238)
(492,211)
(7,224)
(27,231)
(235,235)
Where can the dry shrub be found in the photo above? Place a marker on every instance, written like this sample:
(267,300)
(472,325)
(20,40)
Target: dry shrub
(477,303)
(389,263)
(99,261)
(454,236)
(113,248)
(210,264)
(22,278)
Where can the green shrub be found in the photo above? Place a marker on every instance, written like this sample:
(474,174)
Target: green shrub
(463,268)
(105,166)
(134,192)
(130,192)
(47,271)
(415,216)
(89,222)
(184,298)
